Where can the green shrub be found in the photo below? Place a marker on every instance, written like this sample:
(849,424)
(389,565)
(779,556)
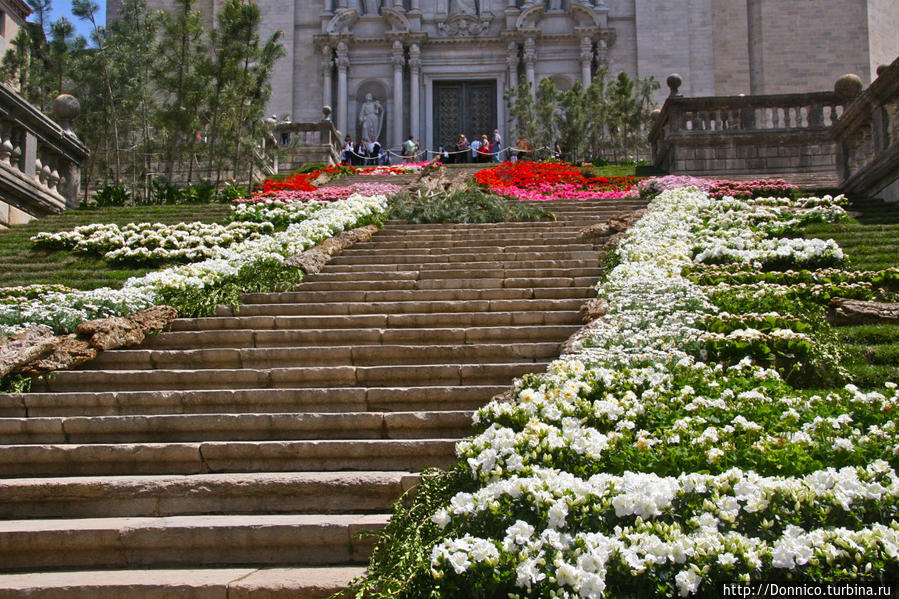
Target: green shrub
(112,195)
(466,206)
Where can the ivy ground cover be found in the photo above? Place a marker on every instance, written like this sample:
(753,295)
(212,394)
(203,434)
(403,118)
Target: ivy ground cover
(702,432)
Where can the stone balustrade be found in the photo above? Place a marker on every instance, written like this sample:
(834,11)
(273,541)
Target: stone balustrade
(40,160)
(747,136)
(307,142)
(867,139)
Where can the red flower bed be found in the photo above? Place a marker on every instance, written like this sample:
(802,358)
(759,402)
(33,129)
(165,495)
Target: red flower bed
(295,182)
(535,181)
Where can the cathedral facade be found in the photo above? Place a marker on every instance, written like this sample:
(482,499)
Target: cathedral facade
(436,68)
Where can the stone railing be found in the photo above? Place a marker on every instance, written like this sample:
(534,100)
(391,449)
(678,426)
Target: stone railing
(867,139)
(746,136)
(307,142)
(40,160)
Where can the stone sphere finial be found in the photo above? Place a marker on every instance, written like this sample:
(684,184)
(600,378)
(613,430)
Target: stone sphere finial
(881,68)
(326,110)
(654,115)
(848,87)
(65,108)
(674,82)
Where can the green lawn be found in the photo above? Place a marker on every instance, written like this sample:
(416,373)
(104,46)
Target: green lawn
(871,241)
(25,265)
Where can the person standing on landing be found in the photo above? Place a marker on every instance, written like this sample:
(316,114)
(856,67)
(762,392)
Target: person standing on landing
(497,146)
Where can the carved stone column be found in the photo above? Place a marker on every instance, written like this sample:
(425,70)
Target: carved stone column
(512,63)
(327,67)
(602,53)
(343,64)
(414,85)
(586,61)
(398,60)
(326,7)
(530,62)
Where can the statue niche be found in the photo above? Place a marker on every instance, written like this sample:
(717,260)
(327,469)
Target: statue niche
(465,19)
(371,6)
(464,7)
(371,118)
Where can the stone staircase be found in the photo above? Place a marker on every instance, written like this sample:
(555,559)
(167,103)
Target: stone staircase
(240,455)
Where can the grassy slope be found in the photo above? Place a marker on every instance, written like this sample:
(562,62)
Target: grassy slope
(24,265)
(871,241)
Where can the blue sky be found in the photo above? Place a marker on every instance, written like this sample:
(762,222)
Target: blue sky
(63,8)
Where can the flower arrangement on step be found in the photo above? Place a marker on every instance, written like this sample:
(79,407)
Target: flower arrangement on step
(253,264)
(152,243)
(542,181)
(675,447)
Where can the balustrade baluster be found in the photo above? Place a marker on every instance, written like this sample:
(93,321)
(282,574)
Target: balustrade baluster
(6,149)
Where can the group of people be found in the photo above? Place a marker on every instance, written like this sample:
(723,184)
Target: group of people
(485,149)
(363,152)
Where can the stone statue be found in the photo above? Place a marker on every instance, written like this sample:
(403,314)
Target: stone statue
(371,117)
(465,7)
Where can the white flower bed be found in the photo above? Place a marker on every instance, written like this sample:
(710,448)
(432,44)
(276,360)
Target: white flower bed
(276,211)
(153,242)
(63,311)
(551,516)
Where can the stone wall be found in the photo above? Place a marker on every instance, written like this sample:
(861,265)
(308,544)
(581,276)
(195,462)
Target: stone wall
(883,26)
(804,45)
(731,39)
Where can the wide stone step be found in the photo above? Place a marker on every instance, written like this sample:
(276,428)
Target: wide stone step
(247,338)
(275,378)
(385,263)
(235,427)
(25,460)
(229,401)
(391,281)
(206,583)
(524,242)
(586,268)
(475,259)
(436,320)
(323,355)
(301,295)
(374,248)
(393,308)
(177,495)
(187,541)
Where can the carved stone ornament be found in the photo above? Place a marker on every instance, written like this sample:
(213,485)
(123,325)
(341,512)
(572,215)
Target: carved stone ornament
(343,20)
(464,25)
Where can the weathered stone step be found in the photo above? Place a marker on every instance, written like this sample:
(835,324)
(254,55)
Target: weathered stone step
(378,263)
(373,248)
(280,378)
(391,281)
(177,495)
(585,268)
(436,320)
(324,355)
(473,259)
(247,338)
(200,541)
(385,241)
(96,459)
(206,583)
(567,232)
(407,307)
(235,427)
(223,401)
(402,295)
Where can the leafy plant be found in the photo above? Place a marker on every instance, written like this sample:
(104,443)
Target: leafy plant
(112,195)
(466,206)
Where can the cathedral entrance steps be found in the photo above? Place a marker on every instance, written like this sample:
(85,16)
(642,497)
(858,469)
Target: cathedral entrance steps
(239,455)
(345,492)
(222,583)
